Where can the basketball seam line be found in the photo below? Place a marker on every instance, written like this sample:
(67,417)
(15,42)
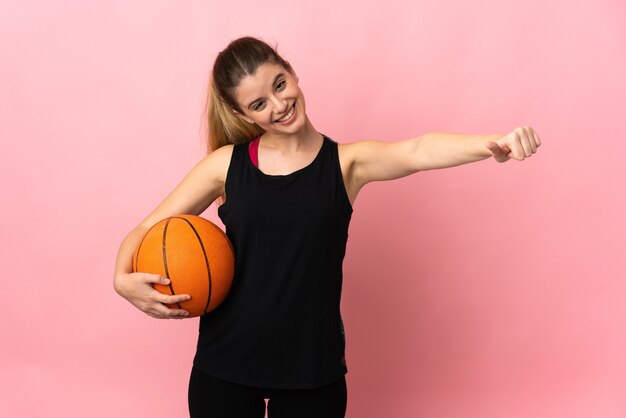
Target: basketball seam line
(206,260)
(167,273)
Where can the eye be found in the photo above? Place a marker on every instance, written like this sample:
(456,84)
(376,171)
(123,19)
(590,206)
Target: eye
(279,86)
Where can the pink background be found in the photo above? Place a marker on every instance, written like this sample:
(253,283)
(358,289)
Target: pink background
(484,290)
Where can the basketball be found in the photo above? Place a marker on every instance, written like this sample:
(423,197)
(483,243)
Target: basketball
(197,257)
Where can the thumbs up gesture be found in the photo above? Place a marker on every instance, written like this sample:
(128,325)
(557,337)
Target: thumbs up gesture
(519,144)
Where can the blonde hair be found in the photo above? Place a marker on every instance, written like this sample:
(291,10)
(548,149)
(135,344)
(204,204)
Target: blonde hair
(224,127)
(239,59)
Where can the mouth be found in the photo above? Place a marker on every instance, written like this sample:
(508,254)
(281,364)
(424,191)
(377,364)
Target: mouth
(288,115)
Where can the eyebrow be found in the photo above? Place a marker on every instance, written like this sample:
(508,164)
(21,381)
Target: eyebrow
(273,83)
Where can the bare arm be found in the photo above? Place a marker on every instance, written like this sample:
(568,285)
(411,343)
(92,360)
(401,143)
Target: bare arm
(200,187)
(377,160)
(443,150)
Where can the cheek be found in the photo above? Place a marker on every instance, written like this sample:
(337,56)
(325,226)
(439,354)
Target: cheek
(301,100)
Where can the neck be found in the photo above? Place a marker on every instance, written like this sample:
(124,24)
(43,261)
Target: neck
(290,143)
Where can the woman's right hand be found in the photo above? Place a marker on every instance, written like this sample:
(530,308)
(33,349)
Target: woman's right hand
(137,289)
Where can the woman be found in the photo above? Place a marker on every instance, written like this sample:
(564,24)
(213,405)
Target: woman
(287,192)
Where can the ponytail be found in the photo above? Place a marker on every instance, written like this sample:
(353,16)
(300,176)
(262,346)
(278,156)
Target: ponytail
(224,127)
(239,59)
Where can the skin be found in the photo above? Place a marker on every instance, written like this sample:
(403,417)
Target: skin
(284,149)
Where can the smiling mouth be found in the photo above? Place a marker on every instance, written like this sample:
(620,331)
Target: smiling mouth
(289,111)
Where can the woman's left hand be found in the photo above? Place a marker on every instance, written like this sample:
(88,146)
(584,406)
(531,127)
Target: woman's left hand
(519,144)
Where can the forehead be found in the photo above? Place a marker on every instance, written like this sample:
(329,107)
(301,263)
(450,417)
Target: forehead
(251,87)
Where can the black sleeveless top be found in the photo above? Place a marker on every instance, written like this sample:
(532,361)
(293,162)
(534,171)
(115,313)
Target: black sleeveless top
(280,325)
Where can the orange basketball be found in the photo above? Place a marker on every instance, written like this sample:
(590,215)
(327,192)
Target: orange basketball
(197,257)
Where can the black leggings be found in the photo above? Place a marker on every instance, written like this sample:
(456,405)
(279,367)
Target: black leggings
(210,397)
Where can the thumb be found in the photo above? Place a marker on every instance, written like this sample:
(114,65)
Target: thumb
(498,153)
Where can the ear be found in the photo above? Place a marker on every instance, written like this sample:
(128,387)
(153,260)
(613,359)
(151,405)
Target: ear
(240,116)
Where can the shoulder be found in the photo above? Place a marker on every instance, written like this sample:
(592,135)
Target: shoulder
(218,161)
(374,160)
(222,154)
(224,150)
(351,152)
(348,154)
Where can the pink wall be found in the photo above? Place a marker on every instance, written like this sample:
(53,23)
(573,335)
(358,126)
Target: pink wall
(485,290)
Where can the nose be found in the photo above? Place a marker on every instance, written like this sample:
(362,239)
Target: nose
(280,105)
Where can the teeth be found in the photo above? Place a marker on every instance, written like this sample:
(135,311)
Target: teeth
(287,116)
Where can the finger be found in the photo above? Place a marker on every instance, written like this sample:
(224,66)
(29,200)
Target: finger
(536,139)
(170,313)
(154,314)
(170,299)
(182,314)
(156,278)
(531,140)
(517,151)
(524,141)
(528,149)
(495,149)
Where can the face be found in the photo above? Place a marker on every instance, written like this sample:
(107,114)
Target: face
(269,95)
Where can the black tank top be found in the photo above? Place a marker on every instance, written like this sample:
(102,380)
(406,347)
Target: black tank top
(280,325)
